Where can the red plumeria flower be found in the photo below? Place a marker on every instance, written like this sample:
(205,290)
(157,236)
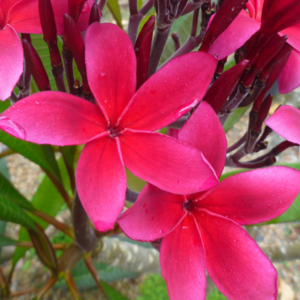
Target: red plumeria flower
(245,25)
(119,131)
(202,231)
(286,122)
(22,16)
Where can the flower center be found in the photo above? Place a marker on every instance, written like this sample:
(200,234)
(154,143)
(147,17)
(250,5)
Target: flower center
(114,131)
(188,205)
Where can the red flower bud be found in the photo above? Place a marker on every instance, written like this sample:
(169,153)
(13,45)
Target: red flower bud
(35,64)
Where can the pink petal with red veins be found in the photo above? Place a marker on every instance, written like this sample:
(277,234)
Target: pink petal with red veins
(53,118)
(111,68)
(166,162)
(289,78)
(101,182)
(182,260)
(293,34)
(254,196)
(155,214)
(171,92)
(24,16)
(11,61)
(238,32)
(205,132)
(234,262)
(286,122)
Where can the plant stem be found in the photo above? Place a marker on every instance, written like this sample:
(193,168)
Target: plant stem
(60,226)
(89,263)
(44,289)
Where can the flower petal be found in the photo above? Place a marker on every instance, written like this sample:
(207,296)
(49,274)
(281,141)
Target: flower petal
(166,162)
(234,262)
(24,16)
(53,118)
(170,93)
(238,32)
(111,68)
(286,122)
(289,78)
(205,132)
(293,34)
(254,196)
(11,61)
(155,214)
(101,182)
(183,263)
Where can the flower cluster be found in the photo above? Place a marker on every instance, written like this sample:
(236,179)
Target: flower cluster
(123,104)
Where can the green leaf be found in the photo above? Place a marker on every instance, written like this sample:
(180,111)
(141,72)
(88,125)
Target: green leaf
(133,182)
(234,117)
(69,154)
(12,212)
(42,155)
(5,241)
(111,293)
(84,280)
(8,191)
(46,199)
(114,8)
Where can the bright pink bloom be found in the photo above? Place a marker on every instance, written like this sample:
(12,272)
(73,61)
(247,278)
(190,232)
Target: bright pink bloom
(22,16)
(244,26)
(202,231)
(286,122)
(119,131)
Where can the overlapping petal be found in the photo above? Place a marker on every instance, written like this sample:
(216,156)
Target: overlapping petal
(182,260)
(286,122)
(166,162)
(235,263)
(111,68)
(24,16)
(101,182)
(53,118)
(238,32)
(254,196)
(289,78)
(11,61)
(205,132)
(171,92)
(293,34)
(155,214)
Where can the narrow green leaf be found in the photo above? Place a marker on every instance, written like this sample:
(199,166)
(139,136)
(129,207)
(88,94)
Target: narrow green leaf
(111,293)
(114,8)
(234,117)
(42,155)
(8,191)
(5,241)
(12,212)
(46,199)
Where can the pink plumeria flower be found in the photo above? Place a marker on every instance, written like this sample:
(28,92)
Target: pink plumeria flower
(120,130)
(286,122)
(202,231)
(22,16)
(245,25)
